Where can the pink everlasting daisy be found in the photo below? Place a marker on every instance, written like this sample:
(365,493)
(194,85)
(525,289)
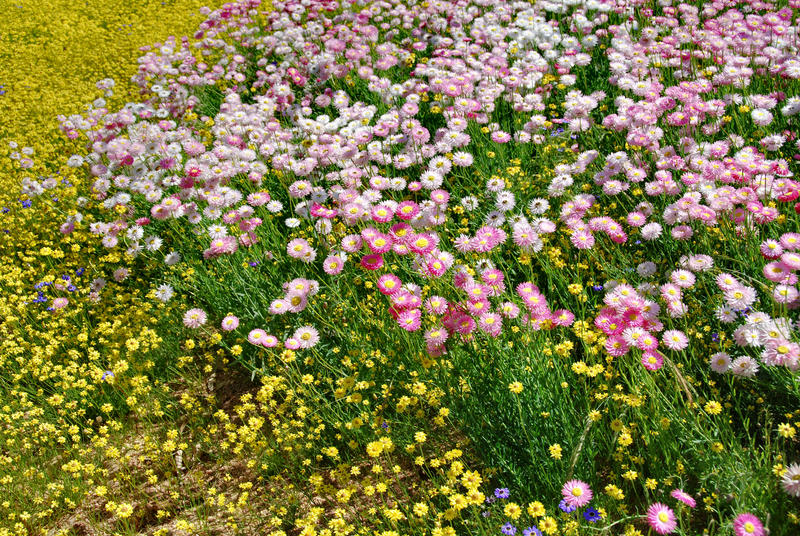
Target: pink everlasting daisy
(661,518)
(683,497)
(306,336)
(256,337)
(388,284)
(229,323)
(194,318)
(747,525)
(577,493)
(410,320)
(652,361)
(371,262)
(436,336)
(436,305)
(333,264)
(675,340)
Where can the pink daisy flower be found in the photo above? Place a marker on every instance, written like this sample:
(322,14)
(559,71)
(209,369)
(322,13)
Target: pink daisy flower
(509,310)
(562,317)
(229,323)
(410,320)
(491,323)
(256,337)
(478,307)
(740,298)
(776,271)
(720,362)
(351,243)
(771,249)
(406,210)
(296,248)
(333,265)
(683,497)
(501,137)
(726,281)
(476,291)
(747,524)
(647,342)
(371,262)
(194,318)
(683,278)
(790,241)
(436,305)
(675,340)
(577,493)
(388,284)
(436,336)
(380,244)
(281,306)
(582,240)
(661,518)
(307,336)
(616,346)
(296,302)
(382,214)
(422,243)
(784,294)
(652,361)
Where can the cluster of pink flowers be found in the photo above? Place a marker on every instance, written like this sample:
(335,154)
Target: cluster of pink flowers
(630,321)
(295,299)
(462,318)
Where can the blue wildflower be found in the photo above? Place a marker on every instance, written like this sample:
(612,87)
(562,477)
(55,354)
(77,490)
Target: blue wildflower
(502,493)
(591,515)
(508,529)
(532,531)
(567,508)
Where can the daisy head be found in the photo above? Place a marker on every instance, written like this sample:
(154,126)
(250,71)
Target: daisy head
(683,497)
(747,524)
(661,518)
(577,493)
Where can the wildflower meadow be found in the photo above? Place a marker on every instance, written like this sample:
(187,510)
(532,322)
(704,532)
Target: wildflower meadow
(350,267)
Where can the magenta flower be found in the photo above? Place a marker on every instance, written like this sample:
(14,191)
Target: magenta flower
(661,518)
(683,497)
(577,493)
(748,525)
